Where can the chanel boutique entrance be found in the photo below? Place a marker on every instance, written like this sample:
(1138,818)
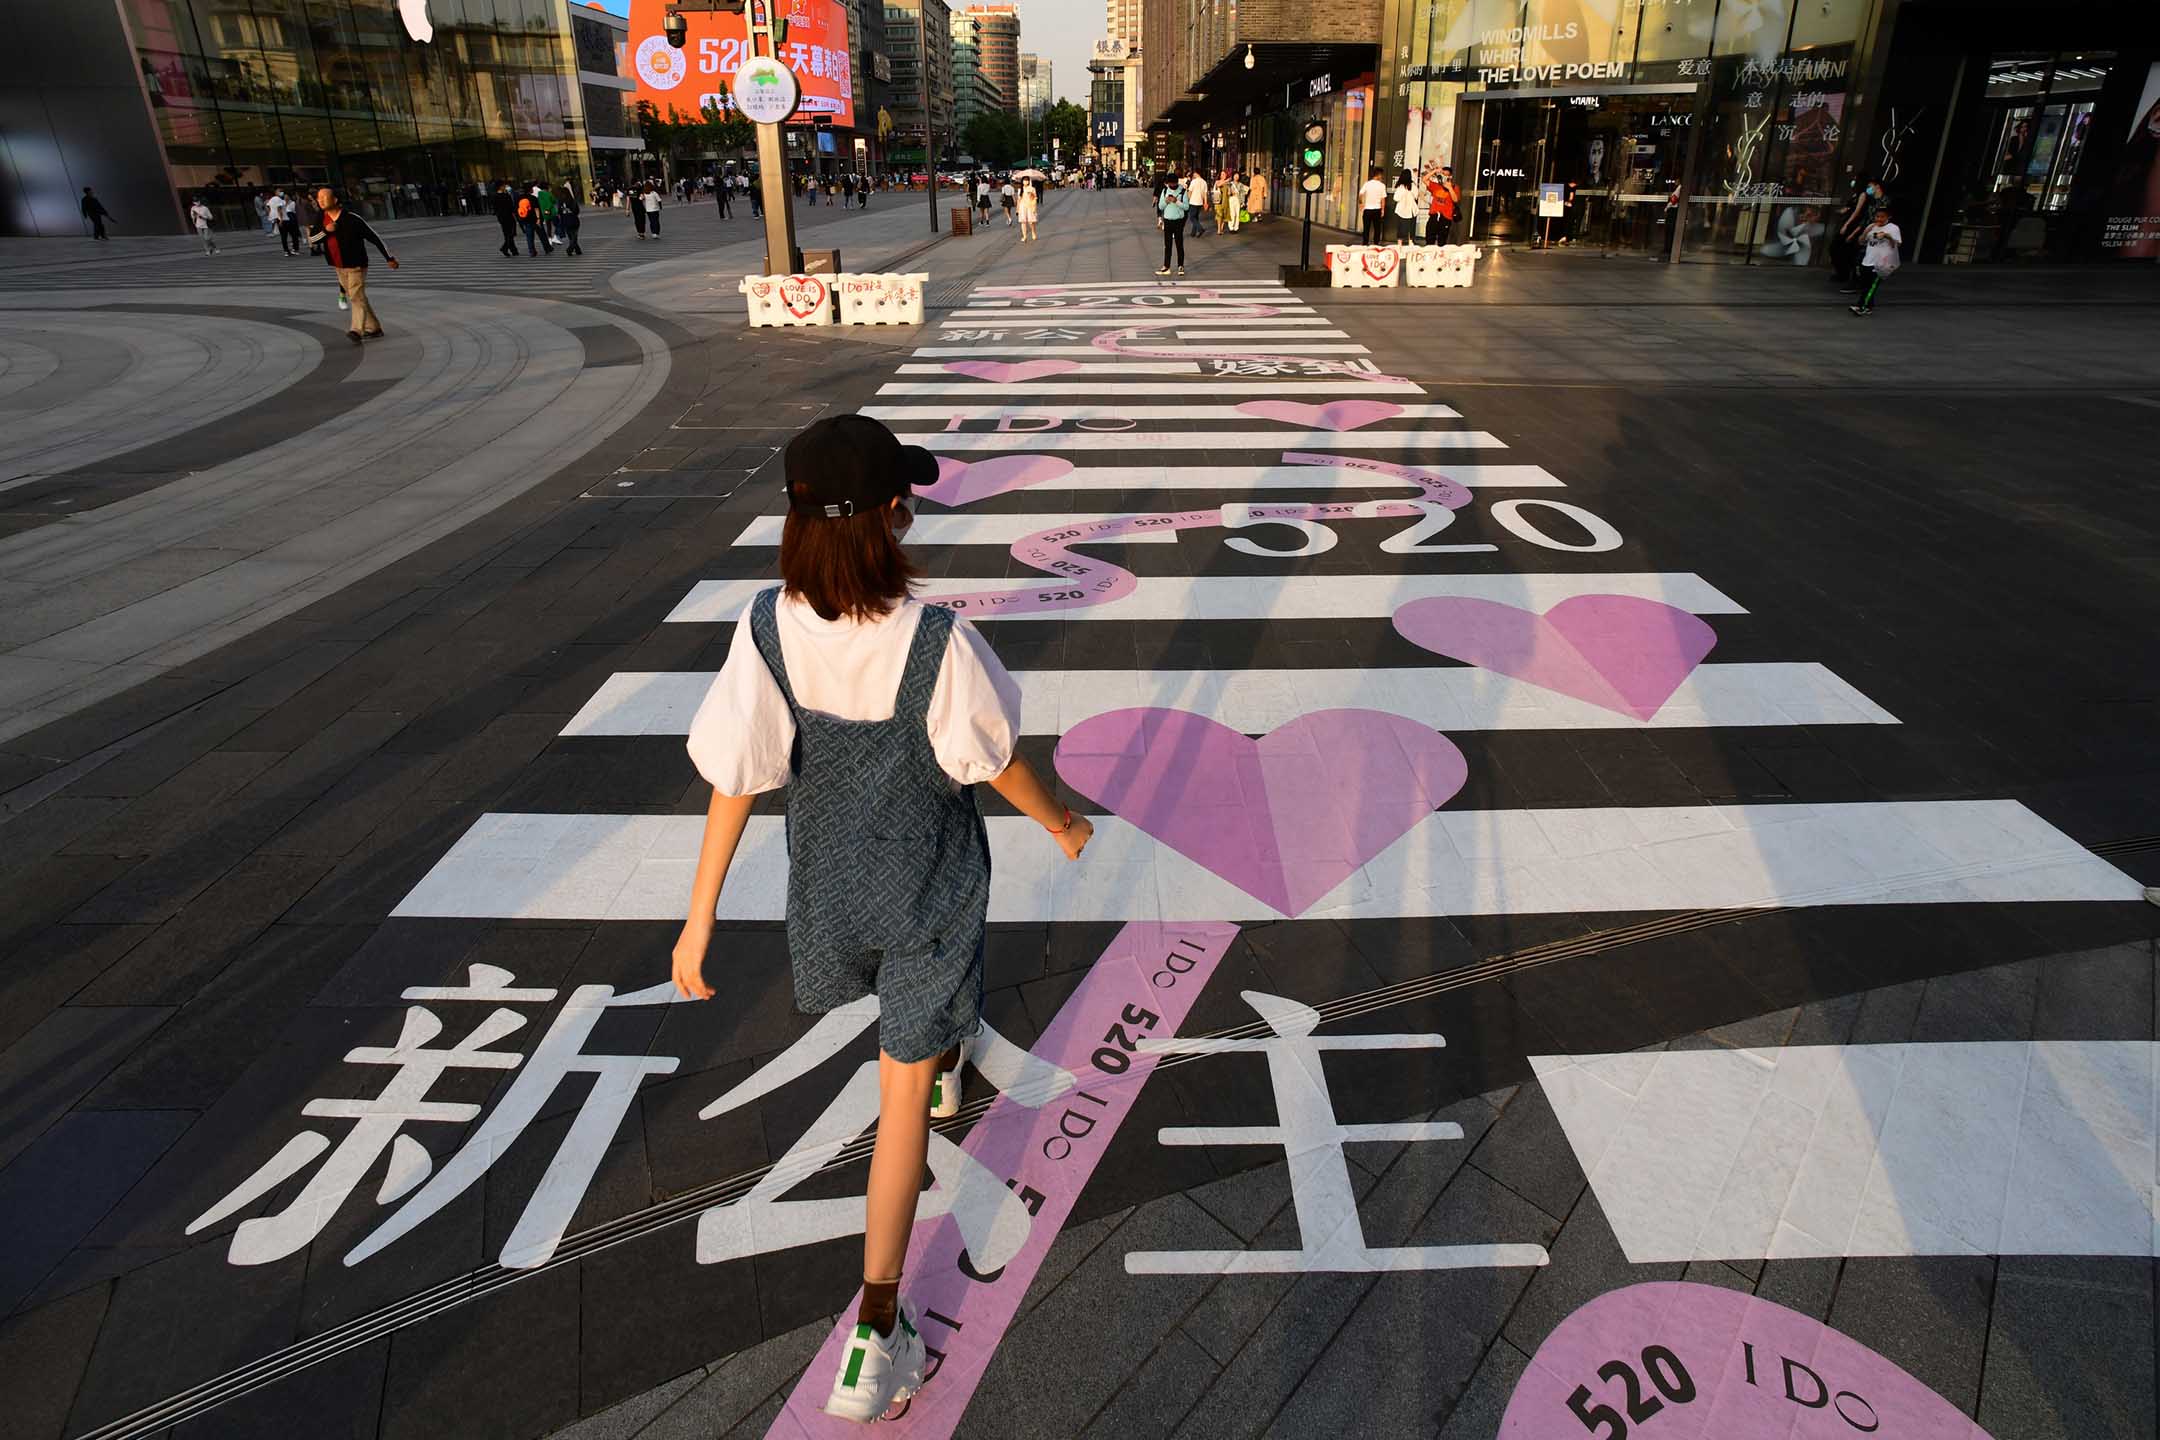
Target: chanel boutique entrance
(1619,153)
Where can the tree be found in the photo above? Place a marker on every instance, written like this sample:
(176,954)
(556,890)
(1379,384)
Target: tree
(675,135)
(993,138)
(1067,123)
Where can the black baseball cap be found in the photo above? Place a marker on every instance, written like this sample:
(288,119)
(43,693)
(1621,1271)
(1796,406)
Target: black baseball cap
(846,464)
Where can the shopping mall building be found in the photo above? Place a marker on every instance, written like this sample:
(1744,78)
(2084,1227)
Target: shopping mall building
(156,101)
(1696,130)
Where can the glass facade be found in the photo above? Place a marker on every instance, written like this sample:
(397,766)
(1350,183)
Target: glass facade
(252,93)
(1721,116)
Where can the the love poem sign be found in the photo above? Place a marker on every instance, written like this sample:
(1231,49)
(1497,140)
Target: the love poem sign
(1674,1361)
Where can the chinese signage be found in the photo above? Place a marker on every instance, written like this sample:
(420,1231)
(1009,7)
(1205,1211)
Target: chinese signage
(766,92)
(1112,52)
(818,52)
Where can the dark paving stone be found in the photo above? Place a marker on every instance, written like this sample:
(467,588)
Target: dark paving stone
(1586,1262)
(1527,1151)
(1803,1285)
(1928,1315)
(45,971)
(43,1353)
(2097,995)
(2068,1358)
(55,1192)
(651,1312)
(154,1341)
(1478,1412)
(48,1070)
(44,891)
(1993,1004)
(503,1365)
(1152,1401)
(195,946)
(340,1396)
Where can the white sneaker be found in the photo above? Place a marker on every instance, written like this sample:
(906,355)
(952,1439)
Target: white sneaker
(877,1371)
(945,1088)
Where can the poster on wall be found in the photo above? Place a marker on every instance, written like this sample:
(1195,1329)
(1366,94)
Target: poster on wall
(818,50)
(2132,229)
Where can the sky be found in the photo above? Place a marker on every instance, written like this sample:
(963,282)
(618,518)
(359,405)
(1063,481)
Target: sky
(1063,30)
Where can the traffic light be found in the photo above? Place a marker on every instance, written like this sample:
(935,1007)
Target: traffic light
(1312,158)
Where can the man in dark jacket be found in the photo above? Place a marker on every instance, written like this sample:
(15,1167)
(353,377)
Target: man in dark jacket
(94,211)
(506,216)
(345,236)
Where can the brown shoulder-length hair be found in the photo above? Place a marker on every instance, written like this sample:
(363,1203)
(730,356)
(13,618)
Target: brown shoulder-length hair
(850,567)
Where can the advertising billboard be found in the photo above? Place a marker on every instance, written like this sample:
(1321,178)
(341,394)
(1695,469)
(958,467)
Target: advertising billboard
(818,50)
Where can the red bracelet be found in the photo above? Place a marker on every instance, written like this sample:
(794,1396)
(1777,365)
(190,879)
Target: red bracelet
(1066,826)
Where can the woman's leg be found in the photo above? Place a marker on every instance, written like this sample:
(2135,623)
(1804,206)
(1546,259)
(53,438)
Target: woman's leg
(896,1167)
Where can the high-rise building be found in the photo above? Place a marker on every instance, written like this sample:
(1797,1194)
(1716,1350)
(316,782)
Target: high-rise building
(1034,90)
(918,37)
(974,89)
(998,36)
(1121,21)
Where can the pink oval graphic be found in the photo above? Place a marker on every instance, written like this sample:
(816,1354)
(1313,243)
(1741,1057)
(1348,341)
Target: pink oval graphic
(1669,1360)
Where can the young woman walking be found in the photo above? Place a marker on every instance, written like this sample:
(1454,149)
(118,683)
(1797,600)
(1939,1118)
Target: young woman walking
(881,714)
(1029,203)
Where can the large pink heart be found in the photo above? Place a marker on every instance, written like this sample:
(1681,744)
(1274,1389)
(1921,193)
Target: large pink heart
(1285,818)
(960,483)
(1005,374)
(1337,415)
(1616,651)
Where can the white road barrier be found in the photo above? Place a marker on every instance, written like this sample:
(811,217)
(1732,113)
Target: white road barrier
(789,299)
(1364,267)
(882,299)
(1436,266)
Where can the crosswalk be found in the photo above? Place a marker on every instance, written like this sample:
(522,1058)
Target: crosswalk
(1276,789)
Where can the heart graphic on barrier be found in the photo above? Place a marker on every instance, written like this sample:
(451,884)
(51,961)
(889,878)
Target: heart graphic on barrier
(803,295)
(1387,265)
(1619,652)
(960,483)
(1008,374)
(1287,817)
(1337,415)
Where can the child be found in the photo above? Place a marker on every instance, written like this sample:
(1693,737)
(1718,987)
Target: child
(883,714)
(1880,259)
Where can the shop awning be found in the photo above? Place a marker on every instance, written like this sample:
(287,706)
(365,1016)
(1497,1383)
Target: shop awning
(1228,87)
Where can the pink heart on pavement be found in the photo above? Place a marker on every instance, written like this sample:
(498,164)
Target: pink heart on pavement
(1337,415)
(1285,818)
(960,483)
(1004,374)
(1616,651)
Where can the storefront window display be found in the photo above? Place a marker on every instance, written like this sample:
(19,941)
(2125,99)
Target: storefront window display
(255,93)
(1271,145)
(1733,106)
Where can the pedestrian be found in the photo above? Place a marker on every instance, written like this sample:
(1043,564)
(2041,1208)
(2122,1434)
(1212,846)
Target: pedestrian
(1170,210)
(568,218)
(1222,203)
(1256,198)
(880,715)
(724,196)
(545,199)
(1443,196)
(262,211)
(1196,205)
(1845,246)
(1372,202)
(199,215)
(536,236)
(652,210)
(862,190)
(1028,204)
(94,211)
(289,225)
(637,207)
(506,216)
(982,197)
(1880,259)
(1009,201)
(1405,197)
(1236,187)
(345,236)
(757,200)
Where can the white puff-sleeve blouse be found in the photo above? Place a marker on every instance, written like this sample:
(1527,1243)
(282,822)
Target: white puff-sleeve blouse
(743,733)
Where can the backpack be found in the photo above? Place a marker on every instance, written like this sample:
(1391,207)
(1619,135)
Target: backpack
(525,208)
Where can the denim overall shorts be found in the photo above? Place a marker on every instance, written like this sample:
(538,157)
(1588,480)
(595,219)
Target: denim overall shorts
(888,860)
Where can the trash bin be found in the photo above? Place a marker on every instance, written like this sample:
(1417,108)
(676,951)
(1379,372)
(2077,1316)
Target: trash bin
(963,220)
(820,262)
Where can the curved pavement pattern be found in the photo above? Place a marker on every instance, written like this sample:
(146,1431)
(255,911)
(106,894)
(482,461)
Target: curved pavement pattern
(486,396)
(94,385)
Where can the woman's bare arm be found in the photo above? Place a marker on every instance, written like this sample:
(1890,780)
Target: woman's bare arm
(1024,790)
(725,818)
